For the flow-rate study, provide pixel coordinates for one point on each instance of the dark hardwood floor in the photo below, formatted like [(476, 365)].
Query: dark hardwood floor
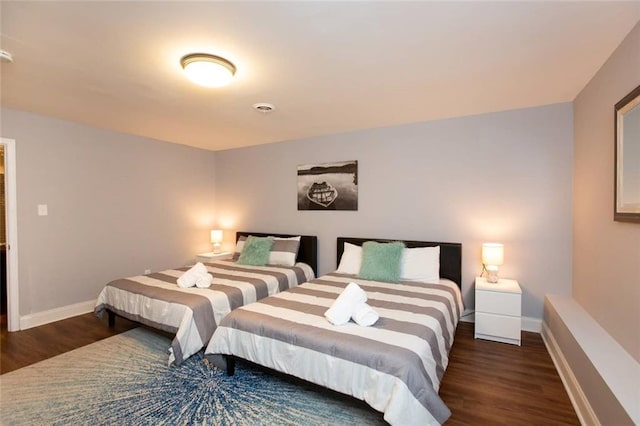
[(22, 348), (486, 383), (490, 383)]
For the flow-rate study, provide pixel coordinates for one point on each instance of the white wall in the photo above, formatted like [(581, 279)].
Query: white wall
[(118, 204), (606, 268), (502, 176)]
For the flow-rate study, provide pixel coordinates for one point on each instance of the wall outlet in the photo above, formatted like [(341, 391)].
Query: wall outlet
[(42, 210), (147, 271)]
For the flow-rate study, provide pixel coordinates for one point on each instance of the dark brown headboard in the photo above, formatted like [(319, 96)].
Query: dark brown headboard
[(450, 254), (307, 253)]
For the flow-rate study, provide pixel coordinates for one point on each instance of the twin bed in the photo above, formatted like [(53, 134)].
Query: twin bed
[(395, 366), (192, 314)]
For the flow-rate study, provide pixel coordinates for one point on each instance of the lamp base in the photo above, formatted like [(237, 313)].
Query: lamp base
[(492, 273), (216, 248), (492, 276)]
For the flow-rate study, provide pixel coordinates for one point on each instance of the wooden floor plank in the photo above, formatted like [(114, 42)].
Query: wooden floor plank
[(486, 383), (496, 383), (26, 347)]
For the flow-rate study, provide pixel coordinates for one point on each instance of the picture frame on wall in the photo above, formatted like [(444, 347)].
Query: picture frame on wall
[(626, 198), (328, 186)]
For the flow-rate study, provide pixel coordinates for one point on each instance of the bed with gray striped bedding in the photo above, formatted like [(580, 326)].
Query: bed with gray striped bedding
[(395, 366), (193, 313)]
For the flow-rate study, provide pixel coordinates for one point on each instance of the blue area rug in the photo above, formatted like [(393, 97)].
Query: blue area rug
[(124, 380)]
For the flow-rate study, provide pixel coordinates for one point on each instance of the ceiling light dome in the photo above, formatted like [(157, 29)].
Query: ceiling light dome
[(208, 70)]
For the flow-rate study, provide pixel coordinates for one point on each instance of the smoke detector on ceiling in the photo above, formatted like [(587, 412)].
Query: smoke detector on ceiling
[(5, 56), (264, 107)]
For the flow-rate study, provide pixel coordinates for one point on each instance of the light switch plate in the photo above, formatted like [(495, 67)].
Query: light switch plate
[(43, 210)]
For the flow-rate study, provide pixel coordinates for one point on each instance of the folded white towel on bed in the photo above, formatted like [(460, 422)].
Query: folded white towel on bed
[(365, 315), (341, 310), (199, 268), (204, 281), (189, 278)]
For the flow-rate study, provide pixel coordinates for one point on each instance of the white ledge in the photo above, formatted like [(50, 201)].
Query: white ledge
[(619, 370)]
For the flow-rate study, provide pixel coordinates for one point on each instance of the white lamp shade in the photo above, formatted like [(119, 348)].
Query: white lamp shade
[(492, 254), (216, 236)]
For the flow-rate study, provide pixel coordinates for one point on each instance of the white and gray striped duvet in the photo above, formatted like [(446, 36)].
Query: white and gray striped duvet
[(193, 313), (395, 366)]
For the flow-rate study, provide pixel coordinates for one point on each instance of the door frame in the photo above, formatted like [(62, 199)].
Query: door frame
[(11, 219)]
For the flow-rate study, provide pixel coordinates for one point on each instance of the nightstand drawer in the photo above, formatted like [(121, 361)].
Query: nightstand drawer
[(497, 325), (498, 303)]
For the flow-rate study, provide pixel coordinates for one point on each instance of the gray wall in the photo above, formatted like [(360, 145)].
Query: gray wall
[(606, 267), (503, 176), (118, 204)]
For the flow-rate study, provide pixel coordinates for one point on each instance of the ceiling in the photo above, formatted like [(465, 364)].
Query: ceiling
[(329, 67)]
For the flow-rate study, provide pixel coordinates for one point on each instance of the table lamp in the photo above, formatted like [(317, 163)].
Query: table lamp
[(492, 258), (216, 239)]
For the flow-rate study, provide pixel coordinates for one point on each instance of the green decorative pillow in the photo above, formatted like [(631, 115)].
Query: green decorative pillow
[(256, 251), (381, 261)]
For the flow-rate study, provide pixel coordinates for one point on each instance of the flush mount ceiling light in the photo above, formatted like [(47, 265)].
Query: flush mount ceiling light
[(208, 70)]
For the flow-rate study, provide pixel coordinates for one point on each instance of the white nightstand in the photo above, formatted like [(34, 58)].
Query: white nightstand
[(211, 256), (498, 311)]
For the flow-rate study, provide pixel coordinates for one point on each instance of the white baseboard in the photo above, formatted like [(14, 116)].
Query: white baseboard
[(585, 413), (532, 324), (57, 314), (468, 316), (528, 323)]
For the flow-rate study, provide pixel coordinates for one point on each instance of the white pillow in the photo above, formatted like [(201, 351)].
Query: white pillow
[(351, 259), (284, 251), (239, 247), (421, 264)]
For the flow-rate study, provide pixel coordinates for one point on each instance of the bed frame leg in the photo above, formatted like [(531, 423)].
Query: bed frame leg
[(112, 319), (231, 365)]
